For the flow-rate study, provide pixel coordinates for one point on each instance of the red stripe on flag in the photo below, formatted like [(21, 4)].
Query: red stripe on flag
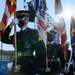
[(63, 41), (1, 31), (4, 20), (41, 23), (11, 7), (63, 38)]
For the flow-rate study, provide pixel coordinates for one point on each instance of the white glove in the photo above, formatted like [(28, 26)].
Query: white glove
[(61, 74), (15, 20)]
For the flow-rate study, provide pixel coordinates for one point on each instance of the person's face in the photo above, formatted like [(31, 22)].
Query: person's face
[(50, 37), (24, 19), (23, 22)]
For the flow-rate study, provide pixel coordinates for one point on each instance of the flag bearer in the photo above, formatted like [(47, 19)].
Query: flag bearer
[(28, 43)]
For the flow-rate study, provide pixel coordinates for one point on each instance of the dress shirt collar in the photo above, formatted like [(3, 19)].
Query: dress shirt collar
[(24, 28), (51, 42)]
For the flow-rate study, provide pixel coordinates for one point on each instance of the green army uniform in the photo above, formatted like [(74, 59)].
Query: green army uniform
[(28, 41)]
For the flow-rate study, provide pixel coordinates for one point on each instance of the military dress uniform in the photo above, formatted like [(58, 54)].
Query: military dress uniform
[(28, 41), (55, 55), (69, 64)]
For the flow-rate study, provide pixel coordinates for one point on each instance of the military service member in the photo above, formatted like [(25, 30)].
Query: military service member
[(69, 65), (28, 41), (55, 55)]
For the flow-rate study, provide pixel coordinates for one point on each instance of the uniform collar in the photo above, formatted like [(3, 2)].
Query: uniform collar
[(51, 42), (24, 28)]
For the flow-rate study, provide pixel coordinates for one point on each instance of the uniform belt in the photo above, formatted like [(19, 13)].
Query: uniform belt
[(52, 60), (24, 54)]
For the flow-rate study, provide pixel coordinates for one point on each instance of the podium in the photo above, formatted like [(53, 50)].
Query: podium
[(3, 67)]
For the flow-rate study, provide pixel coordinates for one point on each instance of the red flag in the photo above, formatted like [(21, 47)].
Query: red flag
[(58, 7), (10, 8), (62, 31)]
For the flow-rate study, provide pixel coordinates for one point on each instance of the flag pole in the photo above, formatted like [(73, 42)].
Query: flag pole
[(1, 42), (15, 43), (1, 50), (15, 39)]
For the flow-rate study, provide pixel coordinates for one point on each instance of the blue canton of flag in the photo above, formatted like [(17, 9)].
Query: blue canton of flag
[(41, 8), (36, 5), (42, 14), (72, 33)]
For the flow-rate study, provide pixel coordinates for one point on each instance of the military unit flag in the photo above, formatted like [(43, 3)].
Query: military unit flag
[(62, 31), (72, 33), (61, 26)]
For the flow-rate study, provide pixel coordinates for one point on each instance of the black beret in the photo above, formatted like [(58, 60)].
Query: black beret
[(22, 13)]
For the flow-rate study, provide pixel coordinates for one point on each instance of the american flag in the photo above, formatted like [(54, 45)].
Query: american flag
[(42, 20), (10, 8)]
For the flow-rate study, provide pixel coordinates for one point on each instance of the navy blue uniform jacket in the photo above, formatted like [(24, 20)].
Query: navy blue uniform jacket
[(30, 38)]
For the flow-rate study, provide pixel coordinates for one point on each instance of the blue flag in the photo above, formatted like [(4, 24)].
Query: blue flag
[(72, 33)]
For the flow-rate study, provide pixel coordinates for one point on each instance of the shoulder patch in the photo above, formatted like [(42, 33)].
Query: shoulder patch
[(39, 39)]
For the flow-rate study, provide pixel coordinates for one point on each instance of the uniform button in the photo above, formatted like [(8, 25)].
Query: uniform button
[(18, 40), (53, 56), (31, 61)]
